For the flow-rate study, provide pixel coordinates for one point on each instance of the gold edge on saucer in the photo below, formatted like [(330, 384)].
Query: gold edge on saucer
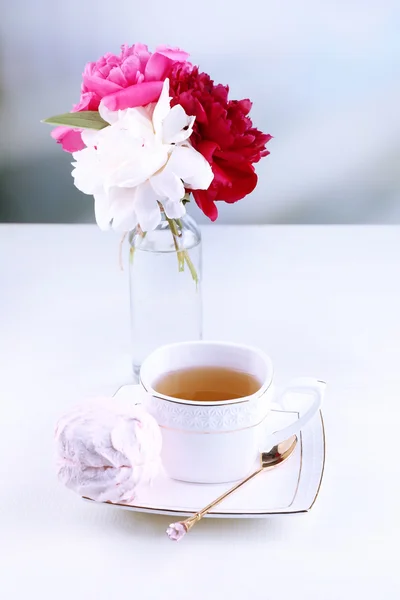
[(170, 511), (323, 462), (301, 467)]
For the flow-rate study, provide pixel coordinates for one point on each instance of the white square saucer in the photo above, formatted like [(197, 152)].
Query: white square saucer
[(291, 488)]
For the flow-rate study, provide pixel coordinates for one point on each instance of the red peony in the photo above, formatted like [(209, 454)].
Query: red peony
[(223, 133)]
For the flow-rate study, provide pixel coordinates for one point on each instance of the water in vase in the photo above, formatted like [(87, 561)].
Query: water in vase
[(165, 288)]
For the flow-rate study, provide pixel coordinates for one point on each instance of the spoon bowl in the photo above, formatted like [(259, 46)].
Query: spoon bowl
[(279, 453)]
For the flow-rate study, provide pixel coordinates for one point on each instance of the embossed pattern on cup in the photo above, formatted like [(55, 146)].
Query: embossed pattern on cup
[(228, 417)]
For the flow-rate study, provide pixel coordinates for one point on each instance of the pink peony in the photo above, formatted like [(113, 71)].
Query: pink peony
[(70, 139), (134, 78), (223, 133)]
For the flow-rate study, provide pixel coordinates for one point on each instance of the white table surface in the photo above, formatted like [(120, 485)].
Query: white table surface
[(322, 301)]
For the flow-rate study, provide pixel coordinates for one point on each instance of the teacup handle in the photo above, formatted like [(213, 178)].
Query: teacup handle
[(304, 385)]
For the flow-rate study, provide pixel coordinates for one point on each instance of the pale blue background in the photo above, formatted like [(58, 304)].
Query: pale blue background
[(323, 76)]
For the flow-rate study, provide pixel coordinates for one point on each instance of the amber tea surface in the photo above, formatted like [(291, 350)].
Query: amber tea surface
[(207, 384)]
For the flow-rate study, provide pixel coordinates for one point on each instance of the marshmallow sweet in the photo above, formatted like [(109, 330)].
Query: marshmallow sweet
[(107, 448)]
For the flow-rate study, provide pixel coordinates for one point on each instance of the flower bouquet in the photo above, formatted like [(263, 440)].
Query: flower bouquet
[(150, 131)]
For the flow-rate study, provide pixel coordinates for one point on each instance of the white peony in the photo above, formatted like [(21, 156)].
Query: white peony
[(143, 158)]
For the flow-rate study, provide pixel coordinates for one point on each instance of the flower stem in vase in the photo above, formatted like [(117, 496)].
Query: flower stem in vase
[(183, 255), (132, 248)]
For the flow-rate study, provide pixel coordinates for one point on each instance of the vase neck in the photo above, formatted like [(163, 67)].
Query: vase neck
[(170, 234)]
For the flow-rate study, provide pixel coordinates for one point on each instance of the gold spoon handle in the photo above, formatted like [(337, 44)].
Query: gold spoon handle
[(190, 521), (269, 460)]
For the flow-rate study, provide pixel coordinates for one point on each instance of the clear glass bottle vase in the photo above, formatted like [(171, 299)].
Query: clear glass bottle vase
[(165, 286)]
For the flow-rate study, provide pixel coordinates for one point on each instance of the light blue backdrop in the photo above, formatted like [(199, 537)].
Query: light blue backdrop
[(323, 76)]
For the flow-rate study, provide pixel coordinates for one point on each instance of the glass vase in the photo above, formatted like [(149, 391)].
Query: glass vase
[(165, 286)]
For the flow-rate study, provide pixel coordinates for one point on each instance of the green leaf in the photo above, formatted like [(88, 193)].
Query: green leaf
[(88, 119)]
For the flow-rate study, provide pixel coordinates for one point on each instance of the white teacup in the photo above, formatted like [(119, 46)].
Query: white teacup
[(215, 442)]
